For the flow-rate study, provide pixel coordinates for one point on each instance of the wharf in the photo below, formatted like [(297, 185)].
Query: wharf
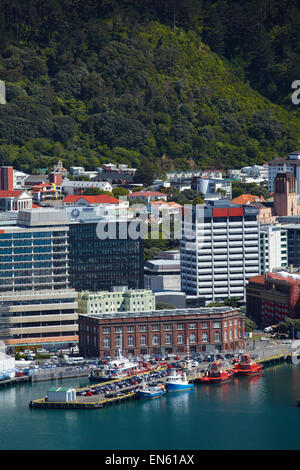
[(14, 381), (100, 401)]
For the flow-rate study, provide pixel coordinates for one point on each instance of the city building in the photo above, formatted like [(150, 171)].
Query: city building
[(45, 192), (285, 194), (80, 187), (293, 239), (162, 275), (34, 253), (273, 248), (119, 299), (220, 250), (116, 173), (98, 263), (44, 317), (288, 165), (272, 297), (14, 200), (19, 179), (146, 196), (161, 331), (6, 178), (212, 188)]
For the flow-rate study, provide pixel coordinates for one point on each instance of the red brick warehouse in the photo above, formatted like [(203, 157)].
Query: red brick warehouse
[(161, 331)]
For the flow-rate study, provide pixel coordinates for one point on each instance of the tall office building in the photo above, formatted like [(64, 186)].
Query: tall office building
[(34, 253), (6, 178), (41, 309), (100, 264), (273, 248), (220, 250)]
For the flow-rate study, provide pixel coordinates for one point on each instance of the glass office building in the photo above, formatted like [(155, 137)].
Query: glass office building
[(100, 264), (33, 258)]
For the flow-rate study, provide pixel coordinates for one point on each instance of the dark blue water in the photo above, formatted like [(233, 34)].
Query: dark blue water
[(249, 413)]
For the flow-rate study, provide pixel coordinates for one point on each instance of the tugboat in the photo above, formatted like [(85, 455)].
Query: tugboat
[(214, 374), (246, 366), (176, 382), (150, 391)]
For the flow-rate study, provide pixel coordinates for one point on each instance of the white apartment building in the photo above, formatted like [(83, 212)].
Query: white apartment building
[(220, 250), (273, 248)]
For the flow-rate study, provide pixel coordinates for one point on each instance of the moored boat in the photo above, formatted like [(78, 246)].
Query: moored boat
[(151, 391), (214, 374), (246, 366), (177, 382)]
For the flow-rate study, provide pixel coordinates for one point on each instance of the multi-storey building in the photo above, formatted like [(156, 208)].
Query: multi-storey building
[(119, 299), (220, 250), (273, 248), (33, 253), (273, 297), (34, 279), (100, 264), (161, 331), (293, 239)]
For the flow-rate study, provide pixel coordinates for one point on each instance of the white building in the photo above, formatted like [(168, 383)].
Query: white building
[(212, 188), (273, 248), (19, 179), (220, 250), (61, 394), (76, 187)]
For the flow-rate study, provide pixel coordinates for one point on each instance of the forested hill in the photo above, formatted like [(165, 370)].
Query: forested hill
[(178, 83)]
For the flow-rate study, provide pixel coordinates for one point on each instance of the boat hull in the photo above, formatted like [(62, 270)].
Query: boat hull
[(246, 372), (142, 394), (178, 387), (214, 380)]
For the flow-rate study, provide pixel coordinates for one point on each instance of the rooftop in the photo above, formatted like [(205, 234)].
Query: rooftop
[(173, 312), (98, 199)]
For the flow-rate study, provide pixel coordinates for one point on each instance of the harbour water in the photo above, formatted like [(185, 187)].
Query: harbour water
[(253, 413)]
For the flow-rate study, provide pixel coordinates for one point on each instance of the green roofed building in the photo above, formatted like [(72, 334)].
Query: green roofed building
[(119, 299)]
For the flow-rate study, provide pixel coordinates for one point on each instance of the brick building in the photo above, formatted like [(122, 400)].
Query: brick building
[(273, 297), (161, 331)]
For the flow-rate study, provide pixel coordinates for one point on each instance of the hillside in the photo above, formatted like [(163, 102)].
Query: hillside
[(91, 84)]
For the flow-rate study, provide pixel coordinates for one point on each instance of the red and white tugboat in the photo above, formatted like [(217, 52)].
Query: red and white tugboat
[(214, 374), (246, 366)]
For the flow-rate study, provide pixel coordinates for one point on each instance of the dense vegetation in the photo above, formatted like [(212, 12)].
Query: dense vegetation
[(155, 84)]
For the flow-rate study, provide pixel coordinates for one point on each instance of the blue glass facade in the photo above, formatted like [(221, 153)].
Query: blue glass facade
[(33, 259)]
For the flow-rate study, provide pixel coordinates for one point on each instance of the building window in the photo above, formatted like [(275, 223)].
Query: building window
[(235, 334), (118, 329), (168, 339), (204, 337), (192, 338), (130, 340), (118, 342), (179, 338), (192, 326), (143, 340), (105, 330), (225, 335), (131, 329), (217, 336), (155, 327), (204, 325), (179, 326), (217, 324), (143, 328), (225, 324), (168, 327), (230, 335), (106, 342), (155, 340)]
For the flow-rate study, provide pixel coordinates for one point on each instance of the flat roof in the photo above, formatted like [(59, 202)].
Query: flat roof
[(171, 312)]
